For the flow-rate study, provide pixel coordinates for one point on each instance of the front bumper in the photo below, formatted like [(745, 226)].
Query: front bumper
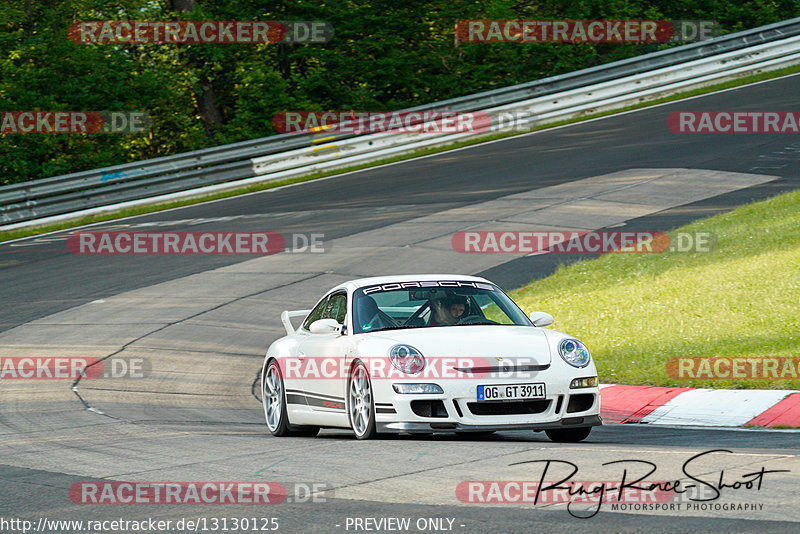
[(592, 420), (458, 410)]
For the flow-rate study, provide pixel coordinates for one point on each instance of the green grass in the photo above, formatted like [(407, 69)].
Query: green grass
[(637, 311), (29, 231)]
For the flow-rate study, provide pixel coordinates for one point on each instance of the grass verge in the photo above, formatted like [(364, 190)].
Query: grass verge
[(26, 232), (635, 312)]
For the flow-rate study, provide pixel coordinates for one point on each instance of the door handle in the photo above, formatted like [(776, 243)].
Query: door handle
[(301, 354)]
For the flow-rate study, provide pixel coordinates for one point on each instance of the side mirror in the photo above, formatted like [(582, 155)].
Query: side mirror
[(325, 326), (540, 319)]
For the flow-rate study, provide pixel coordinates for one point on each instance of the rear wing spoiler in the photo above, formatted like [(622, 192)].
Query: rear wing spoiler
[(286, 319)]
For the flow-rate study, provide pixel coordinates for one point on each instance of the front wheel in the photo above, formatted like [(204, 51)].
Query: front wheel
[(361, 405), (568, 435), (273, 397)]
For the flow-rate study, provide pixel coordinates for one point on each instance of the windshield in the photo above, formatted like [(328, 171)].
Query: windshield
[(433, 304)]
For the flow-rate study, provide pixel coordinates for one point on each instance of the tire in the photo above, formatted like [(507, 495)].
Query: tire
[(361, 403), (273, 398), (568, 435)]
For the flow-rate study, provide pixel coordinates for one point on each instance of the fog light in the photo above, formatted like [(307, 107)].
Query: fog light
[(417, 388), (589, 382)]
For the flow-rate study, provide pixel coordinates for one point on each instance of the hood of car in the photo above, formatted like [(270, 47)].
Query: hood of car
[(491, 344)]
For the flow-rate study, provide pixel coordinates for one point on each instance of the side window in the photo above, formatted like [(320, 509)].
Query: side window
[(316, 313), (336, 308)]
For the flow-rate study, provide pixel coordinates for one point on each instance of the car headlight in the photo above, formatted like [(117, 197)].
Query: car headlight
[(407, 359), (574, 353)]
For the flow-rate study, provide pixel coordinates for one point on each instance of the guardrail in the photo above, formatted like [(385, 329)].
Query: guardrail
[(284, 156)]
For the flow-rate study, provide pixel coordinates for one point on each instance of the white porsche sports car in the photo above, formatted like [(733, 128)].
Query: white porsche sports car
[(427, 353)]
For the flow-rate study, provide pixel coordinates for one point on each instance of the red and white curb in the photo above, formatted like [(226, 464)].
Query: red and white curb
[(700, 407)]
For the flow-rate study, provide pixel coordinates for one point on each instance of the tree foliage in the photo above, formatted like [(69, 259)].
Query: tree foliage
[(386, 54)]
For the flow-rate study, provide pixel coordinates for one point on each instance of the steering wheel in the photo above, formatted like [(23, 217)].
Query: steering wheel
[(475, 319)]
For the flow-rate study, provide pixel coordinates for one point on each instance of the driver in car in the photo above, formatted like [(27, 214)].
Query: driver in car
[(448, 311)]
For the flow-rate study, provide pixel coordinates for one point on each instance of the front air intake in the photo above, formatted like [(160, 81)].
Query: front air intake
[(429, 408)]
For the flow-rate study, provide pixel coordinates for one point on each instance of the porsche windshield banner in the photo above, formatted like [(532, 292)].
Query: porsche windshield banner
[(428, 284)]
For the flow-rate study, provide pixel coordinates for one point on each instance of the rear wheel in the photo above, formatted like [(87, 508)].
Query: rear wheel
[(568, 435), (273, 397), (361, 403)]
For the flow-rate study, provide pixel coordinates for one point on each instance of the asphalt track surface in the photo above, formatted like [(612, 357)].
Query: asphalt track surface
[(43, 278), (212, 428)]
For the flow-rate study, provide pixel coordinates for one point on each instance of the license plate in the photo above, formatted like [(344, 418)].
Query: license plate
[(511, 392)]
